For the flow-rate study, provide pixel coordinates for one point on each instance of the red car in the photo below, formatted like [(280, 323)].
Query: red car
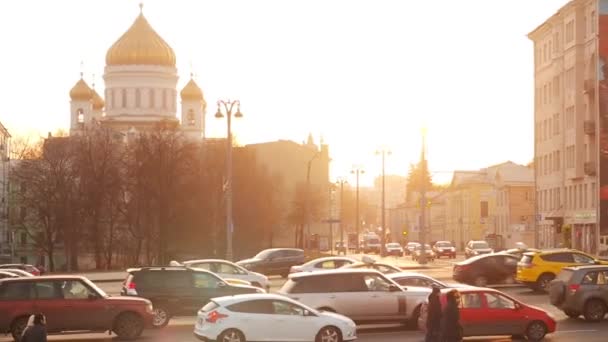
[(488, 312), (24, 267), (70, 303)]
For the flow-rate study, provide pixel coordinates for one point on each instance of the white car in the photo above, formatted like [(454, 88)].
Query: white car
[(419, 280), (394, 248), (320, 264), (229, 270), (269, 317)]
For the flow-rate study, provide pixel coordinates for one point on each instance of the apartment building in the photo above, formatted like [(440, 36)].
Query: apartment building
[(566, 113)]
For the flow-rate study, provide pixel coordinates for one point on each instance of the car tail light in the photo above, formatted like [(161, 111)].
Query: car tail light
[(214, 316), (131, 288), (460, 268), (573, 288)]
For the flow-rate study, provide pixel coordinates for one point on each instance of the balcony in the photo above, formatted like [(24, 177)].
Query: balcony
[(589, 87), (590, 169), (589, 127)]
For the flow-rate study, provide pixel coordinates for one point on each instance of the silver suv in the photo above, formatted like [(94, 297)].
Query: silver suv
[(581, 290), (364, 295)]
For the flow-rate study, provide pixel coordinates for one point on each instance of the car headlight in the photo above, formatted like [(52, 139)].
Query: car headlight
[(149, 308)]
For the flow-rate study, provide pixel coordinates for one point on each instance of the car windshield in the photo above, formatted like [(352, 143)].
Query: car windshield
[(426, 247), (480, 245), (444, 244), (264, 254), (96, 288)]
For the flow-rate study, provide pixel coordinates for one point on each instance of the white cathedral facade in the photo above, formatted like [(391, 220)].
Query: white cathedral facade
[(140, 89)]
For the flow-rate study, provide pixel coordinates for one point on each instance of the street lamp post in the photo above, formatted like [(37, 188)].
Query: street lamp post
[(341, 182), (357, 171), (383, 152), (307, 204), (228, 106), (423, 204)]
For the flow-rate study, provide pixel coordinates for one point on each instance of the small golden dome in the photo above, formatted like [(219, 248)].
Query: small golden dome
[(97, 101), (192, 91), (140, 45), (81, 91)]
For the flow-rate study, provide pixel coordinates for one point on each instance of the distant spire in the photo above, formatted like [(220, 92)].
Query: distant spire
[(81, 68), (93, 80), (141, 7), (310, 140)]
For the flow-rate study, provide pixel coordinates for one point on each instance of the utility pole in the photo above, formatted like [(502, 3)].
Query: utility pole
[(423, 171), (383, 152), (342, 244), (357, 171)]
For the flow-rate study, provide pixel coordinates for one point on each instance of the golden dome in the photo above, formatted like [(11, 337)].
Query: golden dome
[(192, 91), (81, 91), (140, 45), (97, 101)]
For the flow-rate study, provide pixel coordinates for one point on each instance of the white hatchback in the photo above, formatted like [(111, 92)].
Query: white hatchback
[(269, 317)]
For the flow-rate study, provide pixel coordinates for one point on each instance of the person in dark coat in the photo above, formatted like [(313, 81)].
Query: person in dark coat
[(35, 332), (451, 330), (433, 318)]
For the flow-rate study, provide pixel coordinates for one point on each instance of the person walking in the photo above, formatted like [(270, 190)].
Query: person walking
[(35, 332), (451, 330), (433, 318)]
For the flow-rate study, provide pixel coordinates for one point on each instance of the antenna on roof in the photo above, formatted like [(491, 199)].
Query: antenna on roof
[(141, 7)]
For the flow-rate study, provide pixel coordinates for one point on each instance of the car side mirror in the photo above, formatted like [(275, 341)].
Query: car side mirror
[(221, 284), (93, 296), (306, 313), (597, 262), (394, 288), (517, 306)]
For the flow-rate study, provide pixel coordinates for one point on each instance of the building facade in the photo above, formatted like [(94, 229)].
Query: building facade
[(5, 234), (292, 165), (566, 139)]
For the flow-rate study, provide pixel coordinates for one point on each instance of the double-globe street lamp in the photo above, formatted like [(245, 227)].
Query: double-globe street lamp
[(357, 171), (228, 107), (383, 152)]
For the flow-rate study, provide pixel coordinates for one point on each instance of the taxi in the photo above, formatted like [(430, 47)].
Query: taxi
[(537, 269)]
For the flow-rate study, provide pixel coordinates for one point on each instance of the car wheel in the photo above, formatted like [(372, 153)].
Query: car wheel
[(595, 310), (412, 323), (17, 327), (231, 335), (481, 281), (329, 334), (543, 282), (161, 317), (128, 326), (572, 314), (536, 331)]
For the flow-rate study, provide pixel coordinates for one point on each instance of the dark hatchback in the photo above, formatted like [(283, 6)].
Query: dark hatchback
[(274, 261), (481, 270), (178, 291)]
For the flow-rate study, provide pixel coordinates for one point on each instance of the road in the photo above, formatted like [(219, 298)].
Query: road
[(180, 329)]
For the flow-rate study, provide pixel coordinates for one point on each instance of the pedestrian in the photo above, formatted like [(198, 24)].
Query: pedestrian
[(35, 332), (433, 318), (451, 331)]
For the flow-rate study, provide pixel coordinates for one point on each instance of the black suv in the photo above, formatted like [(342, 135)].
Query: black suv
[(274, 261), (178, 291)]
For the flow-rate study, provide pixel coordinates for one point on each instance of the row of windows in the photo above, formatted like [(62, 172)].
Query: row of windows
[(142, 98), (579, 196), (549, 163)]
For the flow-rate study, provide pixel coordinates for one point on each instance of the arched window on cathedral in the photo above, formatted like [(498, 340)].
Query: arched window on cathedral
[(190, 118), (152, 99), (80, 117), (124, 98), (108, 99), (137, 98)]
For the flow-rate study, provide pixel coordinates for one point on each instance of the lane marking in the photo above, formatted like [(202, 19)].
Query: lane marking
[(574, 331)]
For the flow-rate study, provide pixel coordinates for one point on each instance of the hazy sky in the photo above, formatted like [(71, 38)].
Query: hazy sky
[(362, 74)]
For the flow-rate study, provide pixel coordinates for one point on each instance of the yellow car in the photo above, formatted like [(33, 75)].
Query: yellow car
[(537, 269)]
